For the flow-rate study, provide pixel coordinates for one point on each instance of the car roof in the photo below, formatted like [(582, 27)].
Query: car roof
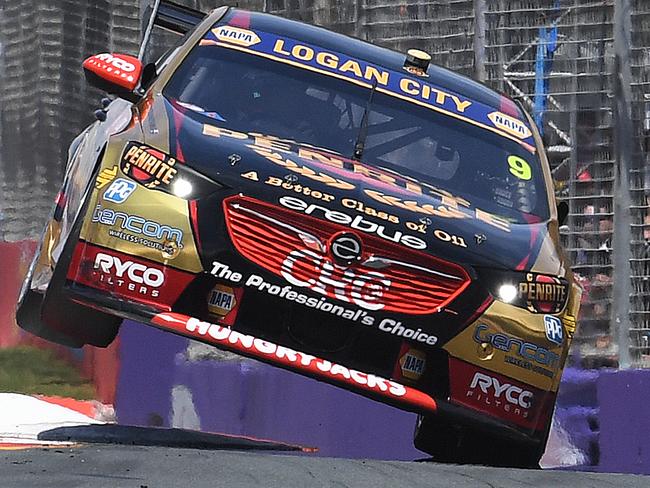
[(360, 49)]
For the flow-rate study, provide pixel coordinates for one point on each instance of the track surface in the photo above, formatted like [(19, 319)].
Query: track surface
[(111, 466)]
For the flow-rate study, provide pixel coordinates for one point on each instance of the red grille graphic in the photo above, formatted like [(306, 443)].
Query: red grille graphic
[(294, 246)]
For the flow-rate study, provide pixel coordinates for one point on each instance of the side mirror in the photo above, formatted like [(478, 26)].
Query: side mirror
[(562, 212), (117, 74)]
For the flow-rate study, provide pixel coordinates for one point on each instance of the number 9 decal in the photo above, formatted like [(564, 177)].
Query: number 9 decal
[(519, 167)]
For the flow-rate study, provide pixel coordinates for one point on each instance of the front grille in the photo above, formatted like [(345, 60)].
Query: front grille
[(295, 247)]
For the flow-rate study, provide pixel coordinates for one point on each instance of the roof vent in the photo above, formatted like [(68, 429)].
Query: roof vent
[(417, 62)]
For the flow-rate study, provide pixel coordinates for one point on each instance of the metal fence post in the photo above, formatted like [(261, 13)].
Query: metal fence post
[(623, 148), (479, 40)]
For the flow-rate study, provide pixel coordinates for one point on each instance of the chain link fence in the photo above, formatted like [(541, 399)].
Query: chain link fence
[(565, 60)]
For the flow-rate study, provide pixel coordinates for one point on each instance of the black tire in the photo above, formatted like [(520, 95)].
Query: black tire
[(449, 443), (62, 315), (28, 313), (53, 316)]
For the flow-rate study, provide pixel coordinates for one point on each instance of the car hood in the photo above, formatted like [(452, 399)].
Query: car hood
[(393, 205)]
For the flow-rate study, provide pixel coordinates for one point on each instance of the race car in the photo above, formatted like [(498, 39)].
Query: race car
[(347, 212)]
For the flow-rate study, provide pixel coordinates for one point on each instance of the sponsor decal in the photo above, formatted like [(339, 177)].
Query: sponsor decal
[(148, 166), (523, 354), (120, 69), (395, 327), (554, 330), (105, 176), (119, 62), (569, 322), (345, 248), (221, 300), (498, 395), (395, 83), (303, 170), (136, 273), (369, 211), (127, 276), (138, 230), (170, 249), (412, 364), (440, 234), (493, 389), (543, 294), (297, 361), (236, 35), (352, 68), (222, 271), (119, 190), (224, 301), (510, 125), (291, 186), (364, 290), (357, 222), (445, 211), (280, 152)]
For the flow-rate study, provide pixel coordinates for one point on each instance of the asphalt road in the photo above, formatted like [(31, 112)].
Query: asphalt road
[(115, 466)]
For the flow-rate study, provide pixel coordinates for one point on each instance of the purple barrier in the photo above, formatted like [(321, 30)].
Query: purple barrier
[(624, 398), (250, 398), (158, 386), (146, 374)]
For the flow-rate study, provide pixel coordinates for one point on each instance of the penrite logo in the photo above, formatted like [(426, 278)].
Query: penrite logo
[(307, 269), (542, 293), (147, 165), (358, 222)]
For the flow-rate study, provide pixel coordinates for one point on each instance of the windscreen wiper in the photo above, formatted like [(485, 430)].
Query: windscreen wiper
[(360, 144)]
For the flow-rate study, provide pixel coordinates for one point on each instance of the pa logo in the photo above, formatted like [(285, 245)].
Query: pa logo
[(119, 190), (554, 331)]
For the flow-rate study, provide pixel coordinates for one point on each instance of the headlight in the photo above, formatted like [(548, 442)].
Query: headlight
[(535, 292), (507, 293), (157, 170)]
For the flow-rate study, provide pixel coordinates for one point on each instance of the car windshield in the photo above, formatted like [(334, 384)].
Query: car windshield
[(249, 93)]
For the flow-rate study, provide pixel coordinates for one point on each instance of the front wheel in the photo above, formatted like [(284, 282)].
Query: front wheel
[(65, 316), (451, 443), (28, 312)]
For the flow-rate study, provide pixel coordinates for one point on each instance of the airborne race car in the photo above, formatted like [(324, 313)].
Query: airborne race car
[(326, 206)]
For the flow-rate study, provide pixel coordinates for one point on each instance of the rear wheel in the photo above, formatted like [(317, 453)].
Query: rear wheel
[(450, 443)]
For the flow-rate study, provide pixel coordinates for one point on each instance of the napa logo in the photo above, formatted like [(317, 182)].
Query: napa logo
[(221, 300), (236, 35), (510, 125)]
